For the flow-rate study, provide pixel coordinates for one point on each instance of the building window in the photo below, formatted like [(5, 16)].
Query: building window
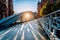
[(7, 1), (4, 0), (11, 3)]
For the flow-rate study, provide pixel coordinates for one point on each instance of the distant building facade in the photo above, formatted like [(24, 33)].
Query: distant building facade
[(4, 8), (10, 5)]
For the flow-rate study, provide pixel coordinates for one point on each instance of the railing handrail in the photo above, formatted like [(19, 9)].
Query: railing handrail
[(9, 17), (52, 13), (4, 19)]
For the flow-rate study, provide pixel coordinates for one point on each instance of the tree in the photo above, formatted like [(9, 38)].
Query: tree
[(50, 7)]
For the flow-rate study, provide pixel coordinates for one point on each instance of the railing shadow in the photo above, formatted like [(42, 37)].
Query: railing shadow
[(11, 25)]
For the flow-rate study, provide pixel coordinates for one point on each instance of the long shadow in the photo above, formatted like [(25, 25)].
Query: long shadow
[(13, 24), (43, 32)]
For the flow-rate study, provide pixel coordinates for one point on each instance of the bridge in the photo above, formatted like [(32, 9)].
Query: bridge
[(32, 30)]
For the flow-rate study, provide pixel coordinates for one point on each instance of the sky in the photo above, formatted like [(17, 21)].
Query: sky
[(25, 5)]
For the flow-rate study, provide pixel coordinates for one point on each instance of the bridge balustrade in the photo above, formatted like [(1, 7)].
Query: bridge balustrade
[(50, 22), (5, 22)]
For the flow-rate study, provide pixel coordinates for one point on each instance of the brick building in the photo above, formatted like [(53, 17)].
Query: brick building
[(10, 5), (5, 8)]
